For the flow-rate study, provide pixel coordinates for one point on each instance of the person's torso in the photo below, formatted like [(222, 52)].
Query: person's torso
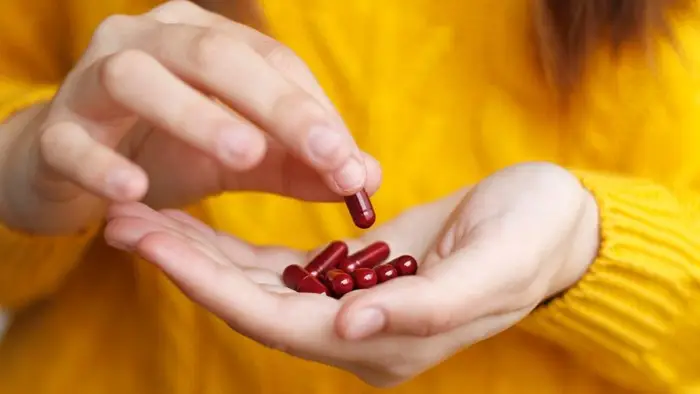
[(442, 96)]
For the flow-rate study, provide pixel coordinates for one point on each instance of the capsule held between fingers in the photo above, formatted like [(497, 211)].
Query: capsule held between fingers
[(339, 282), (364, 278), (360, 207), (368, 257), (385, 272), (405, 265), (328, 259)]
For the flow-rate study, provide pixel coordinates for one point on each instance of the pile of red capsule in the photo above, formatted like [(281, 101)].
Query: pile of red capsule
[(335, 272)]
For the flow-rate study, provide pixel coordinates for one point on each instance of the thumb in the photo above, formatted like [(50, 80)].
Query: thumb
[(480, 279), (409, 305)]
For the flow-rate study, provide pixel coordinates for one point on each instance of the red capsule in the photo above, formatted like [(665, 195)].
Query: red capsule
[(340, 282), (292, 276), (312, 285), (365, 278), (361, 210), (328, 259), (298, 279), (385, 272), (366, 258), (405, 265)]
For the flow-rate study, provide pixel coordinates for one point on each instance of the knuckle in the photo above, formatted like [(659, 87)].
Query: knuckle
[(278, 346), (431, 320), (533, 294), (283, 58), (208, 46), (299, 110), (384, 382), (180, 7), (51, 144), (47, 144), (396, 374), (112, 26), (175, 10), (438, 321), (117, 68)]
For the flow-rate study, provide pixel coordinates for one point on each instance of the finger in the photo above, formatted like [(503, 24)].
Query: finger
[(287, 323), (277, 289), (137, 221), (81, 128), (68, 149), (200, 278), (400, 232), (80, 134), (481, 279), (271, 258), (188, 220), (294, 178), (264, 277), (277, 55), (230, 69), (145, 87), (276, 258), (281, 59), (131, 209), (128, 224), (125, 233)]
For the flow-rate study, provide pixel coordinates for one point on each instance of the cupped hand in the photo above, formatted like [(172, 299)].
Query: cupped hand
[(520, 236), (489, 255), (241, 284), (180, 103)]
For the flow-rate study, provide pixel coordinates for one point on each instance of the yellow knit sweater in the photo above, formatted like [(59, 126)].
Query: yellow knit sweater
[(442, 93)]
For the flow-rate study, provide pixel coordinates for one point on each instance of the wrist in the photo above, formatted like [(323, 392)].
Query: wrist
[(585, 244)]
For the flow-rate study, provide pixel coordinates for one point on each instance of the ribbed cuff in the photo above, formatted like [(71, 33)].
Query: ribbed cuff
[(637, 290)]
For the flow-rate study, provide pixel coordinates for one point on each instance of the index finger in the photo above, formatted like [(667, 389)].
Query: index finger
[(277, 55), (291, 323), (223, 60)]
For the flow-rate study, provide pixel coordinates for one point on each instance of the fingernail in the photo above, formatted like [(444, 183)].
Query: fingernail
[(351, 176), (323, 143), (234, 145), (364, 323)]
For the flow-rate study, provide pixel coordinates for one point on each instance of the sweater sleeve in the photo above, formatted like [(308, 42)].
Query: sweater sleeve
[(635, 315), (31, 67)]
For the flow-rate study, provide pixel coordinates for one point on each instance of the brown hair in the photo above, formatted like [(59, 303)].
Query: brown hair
[(568, 30)]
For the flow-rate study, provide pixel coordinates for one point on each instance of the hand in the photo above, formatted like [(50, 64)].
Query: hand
[(193, 104), (490, 254), (522, 235)]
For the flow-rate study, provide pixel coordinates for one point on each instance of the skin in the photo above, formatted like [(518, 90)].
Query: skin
[(468, 286), (169, 107)]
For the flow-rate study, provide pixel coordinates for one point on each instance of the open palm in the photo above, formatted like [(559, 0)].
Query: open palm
[(489, 255), (241, 284)]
